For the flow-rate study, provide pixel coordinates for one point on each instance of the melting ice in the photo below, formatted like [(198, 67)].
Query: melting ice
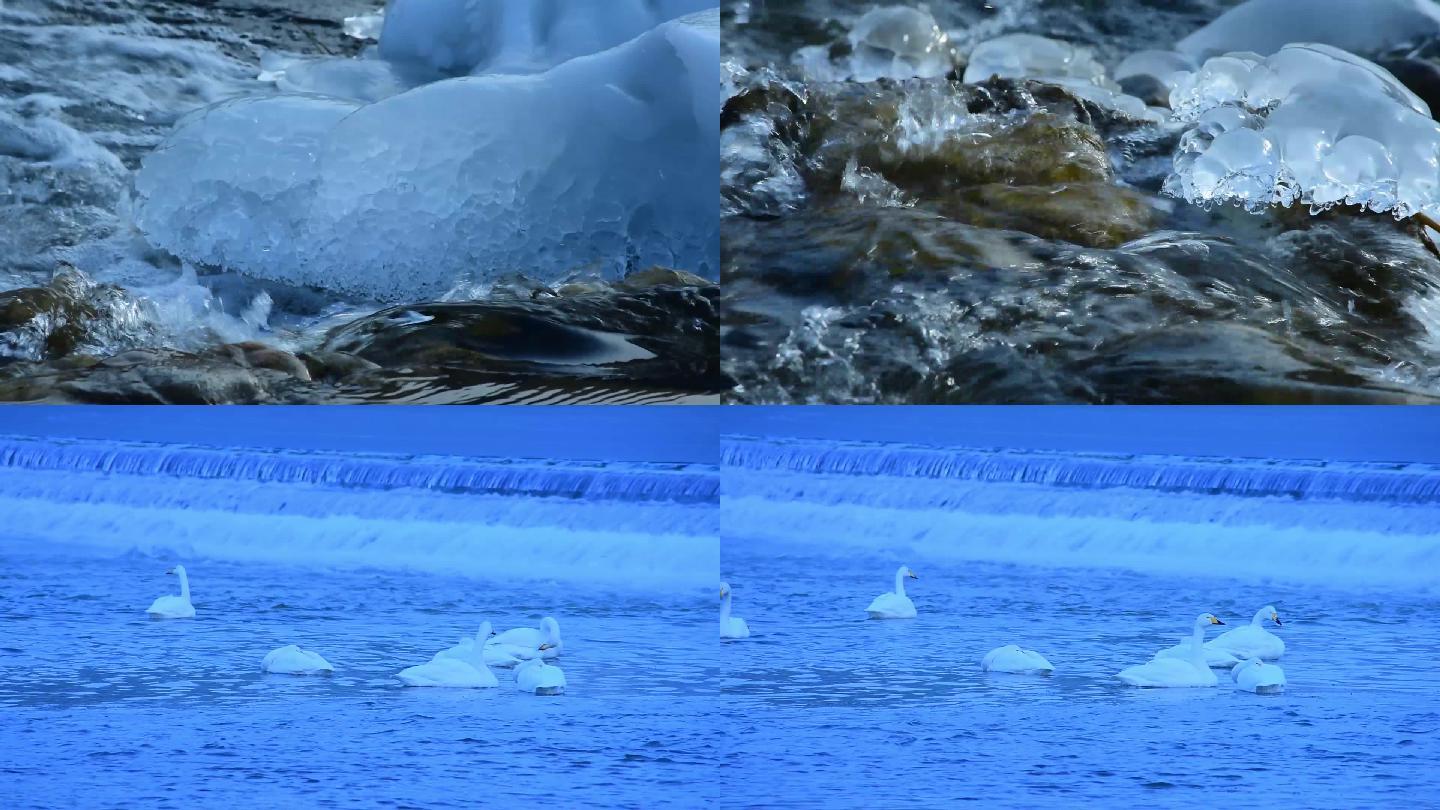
[(389, 179), (1310, 124)]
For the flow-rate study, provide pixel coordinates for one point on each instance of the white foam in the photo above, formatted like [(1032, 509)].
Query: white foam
[(1347, 525), (625, 525)]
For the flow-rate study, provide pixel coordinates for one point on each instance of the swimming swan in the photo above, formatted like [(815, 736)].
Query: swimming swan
[(523, 643), (540, 678), (730, 626), (472, 650), (451, 672), (1254, 675), (1175, 672), (175, 607), (1011, 658), (894, 605), (1252, 640), (1216, 659), (292, 660)]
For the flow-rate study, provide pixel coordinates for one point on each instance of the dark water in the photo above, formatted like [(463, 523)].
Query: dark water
[(101, 706), (1035, 283), (827, 706)]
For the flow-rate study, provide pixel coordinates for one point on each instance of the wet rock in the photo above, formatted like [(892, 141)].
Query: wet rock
[(70, 314), (661, 277), (336, 366), (1042, 150), (251, 354), (219, 376), (1091, 214), (1231, 364), (667, 336)]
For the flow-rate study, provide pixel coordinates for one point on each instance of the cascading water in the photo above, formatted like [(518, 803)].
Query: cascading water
[(641, 525), (1361, 524)]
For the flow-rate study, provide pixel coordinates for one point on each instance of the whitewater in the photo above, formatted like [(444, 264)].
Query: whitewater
[(621, 525), (1368, 524)]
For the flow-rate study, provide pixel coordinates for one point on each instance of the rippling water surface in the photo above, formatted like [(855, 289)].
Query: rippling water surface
[(841, 706), (101, 706)]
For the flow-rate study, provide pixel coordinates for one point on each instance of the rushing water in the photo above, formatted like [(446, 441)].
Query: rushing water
[(377, 562), (1097, 562), (851, 278)]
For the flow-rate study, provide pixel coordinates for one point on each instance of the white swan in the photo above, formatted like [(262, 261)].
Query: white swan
[(292, 660), (1254, 675), (894, 605), (524, 643), (1215, 659), (1175, 672), (451, 672), (1252, 640), (175, 607), (470, 650), (540, 678), (1018, 660), (730, 626)]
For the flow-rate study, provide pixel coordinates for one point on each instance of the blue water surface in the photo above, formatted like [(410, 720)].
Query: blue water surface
[(101, 706), (829, 708)]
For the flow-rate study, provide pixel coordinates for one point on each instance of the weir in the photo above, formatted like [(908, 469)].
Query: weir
[(1350, 481), (625, 525)]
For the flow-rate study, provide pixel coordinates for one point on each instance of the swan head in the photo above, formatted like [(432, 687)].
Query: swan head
[(178, 571), (485, 631), (1245, 663), (1206, 619), (1268, 612), (907, 573), (724, 589)]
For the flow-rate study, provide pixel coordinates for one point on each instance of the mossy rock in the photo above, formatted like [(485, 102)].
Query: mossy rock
[(1039, 151), (1101, 215)]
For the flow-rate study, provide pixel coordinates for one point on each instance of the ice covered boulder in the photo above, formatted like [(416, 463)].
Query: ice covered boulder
[(604, 163), (1151, 74), (456, 37), (1026, 56), (888, 42), (1310, 124), (1358, 26), (898, 42)]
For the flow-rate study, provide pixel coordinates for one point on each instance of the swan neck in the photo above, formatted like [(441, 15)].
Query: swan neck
[(900, 582), (184, 585), (1197, 644), (725, 609), (1259, 620)]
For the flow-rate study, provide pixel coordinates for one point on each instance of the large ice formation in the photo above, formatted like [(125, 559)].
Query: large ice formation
[(1310, 124), (605, 162), (1359, 26)]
